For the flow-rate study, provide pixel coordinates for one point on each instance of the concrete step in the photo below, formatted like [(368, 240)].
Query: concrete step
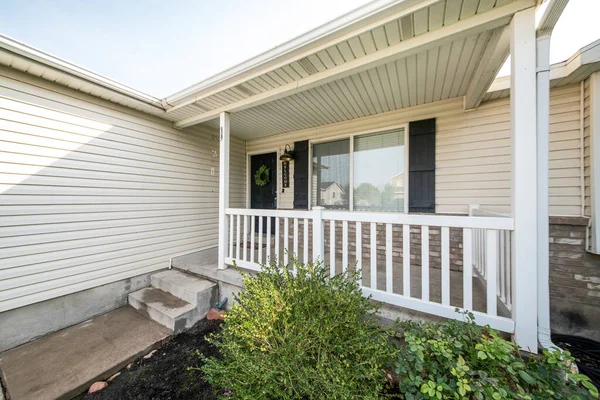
[(168, 310), (192, 289)]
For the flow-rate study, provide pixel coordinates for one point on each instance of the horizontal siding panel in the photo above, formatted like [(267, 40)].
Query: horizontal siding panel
[(40, 233), (92, 193), (65, 258)]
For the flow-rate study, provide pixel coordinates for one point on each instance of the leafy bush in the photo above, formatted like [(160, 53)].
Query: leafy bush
[(306, 336), (457, 360)]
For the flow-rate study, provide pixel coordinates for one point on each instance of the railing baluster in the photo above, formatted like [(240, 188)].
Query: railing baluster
[(286, 241), (499, 268), (502, 269), (237, 237), (389, 276), (508, 258), (484, 252), (345, 246), (359, 252), (305, 258), (406, 260), (231, 236), (373, 256), (425, 263), (252, 233), (268, 252), (260, 239), (331, 248), (491, 260), (467, 269), (296, 237), (277, 253), (445, 265), (245, 250)]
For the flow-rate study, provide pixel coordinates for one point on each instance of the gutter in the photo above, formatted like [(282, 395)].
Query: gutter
[(544, 33), (45, 60)]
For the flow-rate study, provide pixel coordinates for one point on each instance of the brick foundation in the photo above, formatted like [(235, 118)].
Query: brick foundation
[(574, 279)]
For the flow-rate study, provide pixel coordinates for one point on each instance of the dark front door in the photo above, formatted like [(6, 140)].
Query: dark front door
[(264, 197)]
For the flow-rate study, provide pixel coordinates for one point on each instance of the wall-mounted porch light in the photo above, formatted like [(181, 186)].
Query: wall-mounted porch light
[(288, 154)]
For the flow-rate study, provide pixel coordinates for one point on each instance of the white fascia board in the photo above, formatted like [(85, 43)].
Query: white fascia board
[(348, 25), (46, 60), (479, 23)]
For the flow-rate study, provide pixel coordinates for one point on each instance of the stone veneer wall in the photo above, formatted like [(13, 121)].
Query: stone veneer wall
[(574, 279)]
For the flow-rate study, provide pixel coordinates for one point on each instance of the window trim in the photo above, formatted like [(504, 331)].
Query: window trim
[(351, 137)]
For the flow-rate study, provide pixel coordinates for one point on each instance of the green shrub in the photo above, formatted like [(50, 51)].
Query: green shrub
[(300, 337), (457, 360)]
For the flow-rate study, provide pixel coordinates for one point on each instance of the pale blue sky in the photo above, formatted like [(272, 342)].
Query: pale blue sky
[(160, 47)]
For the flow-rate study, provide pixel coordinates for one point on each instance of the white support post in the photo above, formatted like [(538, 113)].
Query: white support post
[(524, 177), (224, 137), (318, 235), (595, 160)]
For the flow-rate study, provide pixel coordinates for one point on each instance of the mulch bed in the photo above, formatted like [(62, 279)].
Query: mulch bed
[(165, 375)]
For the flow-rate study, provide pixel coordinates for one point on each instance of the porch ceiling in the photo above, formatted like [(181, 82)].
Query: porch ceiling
[(440, 73), (414, 52)]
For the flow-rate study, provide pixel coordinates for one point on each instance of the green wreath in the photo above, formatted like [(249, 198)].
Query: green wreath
[(261, 177)]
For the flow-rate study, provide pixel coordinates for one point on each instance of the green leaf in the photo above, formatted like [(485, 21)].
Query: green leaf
[(526, 377)]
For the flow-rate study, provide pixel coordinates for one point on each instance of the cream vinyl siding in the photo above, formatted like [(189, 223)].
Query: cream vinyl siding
[(586, 159), (237, 173), (473, 163), (92, 192)]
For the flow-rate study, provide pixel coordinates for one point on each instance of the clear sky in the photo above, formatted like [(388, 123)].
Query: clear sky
[(160, 47)]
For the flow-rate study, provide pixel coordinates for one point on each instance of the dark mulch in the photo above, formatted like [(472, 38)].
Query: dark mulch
[(586, 353), (165, 375)]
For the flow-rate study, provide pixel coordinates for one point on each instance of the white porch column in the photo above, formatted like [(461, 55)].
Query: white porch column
[(524, 177), (224, 137)]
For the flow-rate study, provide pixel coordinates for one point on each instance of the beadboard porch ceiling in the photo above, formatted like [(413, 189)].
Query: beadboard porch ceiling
[(417, 52)]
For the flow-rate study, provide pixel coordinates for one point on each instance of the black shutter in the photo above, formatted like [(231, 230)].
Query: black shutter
[(301, 174), (421, 166)]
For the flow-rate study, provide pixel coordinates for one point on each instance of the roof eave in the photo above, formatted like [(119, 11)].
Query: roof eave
[(326, 32), (48, 61)]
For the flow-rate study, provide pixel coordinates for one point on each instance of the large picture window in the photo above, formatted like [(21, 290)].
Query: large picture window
[(368, 169), (379, 171), (331, 174)]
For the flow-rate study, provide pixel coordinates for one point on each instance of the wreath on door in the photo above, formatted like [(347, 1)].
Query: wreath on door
[(261, 177)]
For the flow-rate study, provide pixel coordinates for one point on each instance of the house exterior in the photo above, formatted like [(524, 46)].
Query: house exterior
[(443, 186)]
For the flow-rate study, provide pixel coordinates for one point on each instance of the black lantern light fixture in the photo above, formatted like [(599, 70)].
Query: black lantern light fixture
[(288, 154)]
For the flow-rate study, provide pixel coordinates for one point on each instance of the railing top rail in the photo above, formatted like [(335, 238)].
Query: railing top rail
[(418, 219), (452, 221), (269, 213)]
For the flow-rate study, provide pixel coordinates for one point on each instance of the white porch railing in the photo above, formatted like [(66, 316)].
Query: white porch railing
[(499, 243), (397, 282)]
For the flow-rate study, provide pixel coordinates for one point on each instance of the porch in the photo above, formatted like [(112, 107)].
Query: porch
[(407, 85), (429, 264)]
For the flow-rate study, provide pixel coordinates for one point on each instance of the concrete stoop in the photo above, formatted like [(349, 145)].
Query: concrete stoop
[(176, 300)]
